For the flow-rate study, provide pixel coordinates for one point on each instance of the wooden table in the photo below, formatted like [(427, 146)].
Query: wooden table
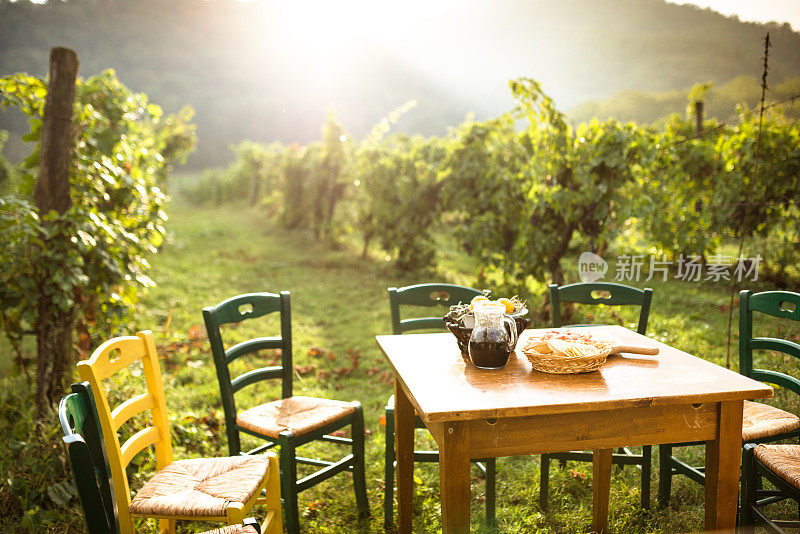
[(632, 400)]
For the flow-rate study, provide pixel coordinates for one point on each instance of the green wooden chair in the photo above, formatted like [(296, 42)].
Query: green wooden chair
[(83, 440), (612, 295), (761, 423), (288, 422), (441, 296), (778, 464)]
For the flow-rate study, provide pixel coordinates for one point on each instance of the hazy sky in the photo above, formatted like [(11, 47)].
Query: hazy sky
[(747, 10), (754, 10)]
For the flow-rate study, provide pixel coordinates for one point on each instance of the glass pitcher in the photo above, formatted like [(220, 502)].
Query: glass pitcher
[(493, 337)]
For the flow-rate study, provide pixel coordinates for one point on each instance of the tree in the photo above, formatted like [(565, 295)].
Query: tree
[(91, 261), (51, 193), (398, 195), (523, 195)]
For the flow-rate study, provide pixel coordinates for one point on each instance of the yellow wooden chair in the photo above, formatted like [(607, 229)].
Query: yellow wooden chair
[(199, 489)]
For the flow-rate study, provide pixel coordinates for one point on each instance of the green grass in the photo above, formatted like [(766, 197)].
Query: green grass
[(339, 303)]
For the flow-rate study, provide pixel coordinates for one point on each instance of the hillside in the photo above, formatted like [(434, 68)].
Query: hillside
[(720, 102), (266, 70)]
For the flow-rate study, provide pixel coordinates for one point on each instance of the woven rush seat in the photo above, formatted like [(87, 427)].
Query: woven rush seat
[(233, 529), (762, 420), (783, 460), (200, 487), (301, 415)]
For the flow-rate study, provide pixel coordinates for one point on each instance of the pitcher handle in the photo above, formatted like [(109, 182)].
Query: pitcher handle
[(513, 331)]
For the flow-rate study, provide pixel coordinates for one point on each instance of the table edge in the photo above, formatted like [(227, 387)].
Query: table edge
[(654, 402)]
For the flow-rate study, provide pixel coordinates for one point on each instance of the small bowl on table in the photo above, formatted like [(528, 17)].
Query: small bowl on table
[(462, 333)]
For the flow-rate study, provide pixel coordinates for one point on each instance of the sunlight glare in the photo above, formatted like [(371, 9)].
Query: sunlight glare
[(326, 29)]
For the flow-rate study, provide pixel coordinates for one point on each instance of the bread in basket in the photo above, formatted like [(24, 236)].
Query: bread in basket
[(569, 352)]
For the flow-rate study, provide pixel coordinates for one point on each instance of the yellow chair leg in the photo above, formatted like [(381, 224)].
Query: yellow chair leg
[(235, 513), (274, 510), (166, 526)]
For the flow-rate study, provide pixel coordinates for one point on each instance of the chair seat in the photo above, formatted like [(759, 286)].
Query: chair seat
[(783, 460), (201, 487), (762, 420), (233, 529), (301, 415)]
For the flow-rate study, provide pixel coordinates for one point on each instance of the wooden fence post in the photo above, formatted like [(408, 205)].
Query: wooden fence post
[(698, 117), (54, 333)]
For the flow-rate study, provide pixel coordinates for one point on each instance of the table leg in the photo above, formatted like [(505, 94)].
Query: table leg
[(723, 458), (404, 454), (601, 486), (454, 480)]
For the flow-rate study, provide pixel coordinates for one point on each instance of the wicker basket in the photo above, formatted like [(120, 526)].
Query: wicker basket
[(463, 333), (564, 365)]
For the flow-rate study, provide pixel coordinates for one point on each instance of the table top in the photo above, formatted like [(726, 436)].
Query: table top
[(443, 387)]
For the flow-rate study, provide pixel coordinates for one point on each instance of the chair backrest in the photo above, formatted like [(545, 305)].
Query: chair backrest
[(107, 360), (426, 295), (600, 293), (782, 304), (83, 440), (235, 310)]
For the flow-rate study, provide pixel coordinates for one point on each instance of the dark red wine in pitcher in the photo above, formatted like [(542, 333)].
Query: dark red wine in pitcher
[(491, 339), (489, 354)]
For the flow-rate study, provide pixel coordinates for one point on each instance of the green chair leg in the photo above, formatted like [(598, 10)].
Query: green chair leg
[(288, 465), (491, 490), (388, 473), (234, 441), (664, 474), (647, 458), (749, 488), (544, 481), (359, 475)]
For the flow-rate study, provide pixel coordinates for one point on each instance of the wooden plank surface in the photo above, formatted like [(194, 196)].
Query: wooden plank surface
[(443, 387)]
